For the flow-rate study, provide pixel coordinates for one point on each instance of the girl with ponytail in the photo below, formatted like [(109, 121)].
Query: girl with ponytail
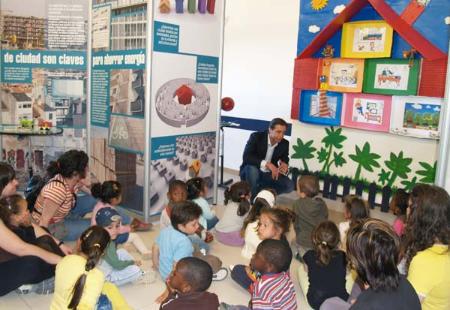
[(79, 284), (326, 266), (237, 205)]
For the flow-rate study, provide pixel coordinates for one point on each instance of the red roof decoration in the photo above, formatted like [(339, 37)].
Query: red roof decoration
[(403, 28)]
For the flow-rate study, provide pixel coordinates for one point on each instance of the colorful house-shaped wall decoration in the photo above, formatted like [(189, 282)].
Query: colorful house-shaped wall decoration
[(434, 60)]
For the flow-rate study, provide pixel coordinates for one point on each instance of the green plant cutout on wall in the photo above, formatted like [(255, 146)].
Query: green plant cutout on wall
[(383, 177), (365, 159), (398, 166), (304, 151), (428, 173), (333, 139), (409, 185)]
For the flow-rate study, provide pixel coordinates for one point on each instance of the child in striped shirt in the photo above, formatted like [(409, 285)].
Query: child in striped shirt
[(274, 288)]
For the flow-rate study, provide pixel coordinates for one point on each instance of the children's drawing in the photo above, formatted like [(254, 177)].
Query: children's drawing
[(343, 75), (392, 76), (369, 39), (416, 116), (421, 116), (368, 111), (323, 105)]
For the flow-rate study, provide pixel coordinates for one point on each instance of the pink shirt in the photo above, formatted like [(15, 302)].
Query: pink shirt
[(399, 226), (100, 205)]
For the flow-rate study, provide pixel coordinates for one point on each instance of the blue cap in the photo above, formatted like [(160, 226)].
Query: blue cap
[(106, 216)]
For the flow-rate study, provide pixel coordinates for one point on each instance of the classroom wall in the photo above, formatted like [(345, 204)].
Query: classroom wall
[(258, 64), (257, 74)]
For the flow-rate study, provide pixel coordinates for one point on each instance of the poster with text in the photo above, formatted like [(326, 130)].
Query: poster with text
[(43, 79), (118, 83), (187, 43)]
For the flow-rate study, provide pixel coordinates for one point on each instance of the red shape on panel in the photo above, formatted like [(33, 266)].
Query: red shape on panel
[(295, 105), (306, 73), (412, 12), (432, 78)]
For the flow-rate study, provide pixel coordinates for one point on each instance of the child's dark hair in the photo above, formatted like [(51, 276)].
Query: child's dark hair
[(7, 174), (309, 185), (357, 208), (373, 250), (94, 241), (399, 202), (325, 238), (106, 191), (238, 192), (194, 187), (277, 253), (9, 206), (254, 213), (177, 184), (281, 218), (184, 212), (196, 272), (69, 164)]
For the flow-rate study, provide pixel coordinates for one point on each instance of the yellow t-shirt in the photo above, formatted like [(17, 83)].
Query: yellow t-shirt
[(69, 269), (429, 274)]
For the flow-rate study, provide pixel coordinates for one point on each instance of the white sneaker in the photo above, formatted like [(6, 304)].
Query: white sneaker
[(220, 275), (231, 267)]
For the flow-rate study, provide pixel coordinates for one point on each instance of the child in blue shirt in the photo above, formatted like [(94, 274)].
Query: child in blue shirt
[(173, 243)]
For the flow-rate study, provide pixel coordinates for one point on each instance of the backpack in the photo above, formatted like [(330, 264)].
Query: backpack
[(34, 188)]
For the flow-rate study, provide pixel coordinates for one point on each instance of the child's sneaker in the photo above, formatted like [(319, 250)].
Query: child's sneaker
[(220, 275), (45, 287), (24, 289)]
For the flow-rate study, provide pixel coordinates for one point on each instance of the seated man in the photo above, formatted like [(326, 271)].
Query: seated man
[(266, 158)]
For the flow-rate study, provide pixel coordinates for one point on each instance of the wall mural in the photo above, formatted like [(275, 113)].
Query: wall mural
[(394, 171)]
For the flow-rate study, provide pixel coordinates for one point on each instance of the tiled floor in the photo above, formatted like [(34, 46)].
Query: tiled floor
[(141, 296)]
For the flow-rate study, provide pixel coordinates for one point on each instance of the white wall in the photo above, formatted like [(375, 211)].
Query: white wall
[(259, 52)]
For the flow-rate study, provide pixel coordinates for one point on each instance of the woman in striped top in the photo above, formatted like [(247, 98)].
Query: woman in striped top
[(57, 198)]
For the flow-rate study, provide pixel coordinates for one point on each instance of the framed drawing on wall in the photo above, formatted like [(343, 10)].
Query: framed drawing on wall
[(364, 111), (343, 75), (320, 107), (391, 76), (366, 39), (416, 116)]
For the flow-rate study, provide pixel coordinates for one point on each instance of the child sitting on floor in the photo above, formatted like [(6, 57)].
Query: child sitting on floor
[(310, 211), (15, 215), (237, 205), (264, 200), (355, 209), (326, 266), (79, 284), (187, 286), (177, 193), (110, 196), (173, 243), (118, 265), (398, 206), (273, 224), (197, 191), (274, 288)]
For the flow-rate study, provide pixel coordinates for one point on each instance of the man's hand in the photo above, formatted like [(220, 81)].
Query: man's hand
[(273, 169), (163, 296), (283, 167)]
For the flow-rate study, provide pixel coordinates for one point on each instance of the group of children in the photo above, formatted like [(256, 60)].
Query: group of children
[(89, 275)]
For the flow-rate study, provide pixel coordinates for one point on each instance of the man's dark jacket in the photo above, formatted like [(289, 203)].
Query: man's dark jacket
[(256, 149)]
